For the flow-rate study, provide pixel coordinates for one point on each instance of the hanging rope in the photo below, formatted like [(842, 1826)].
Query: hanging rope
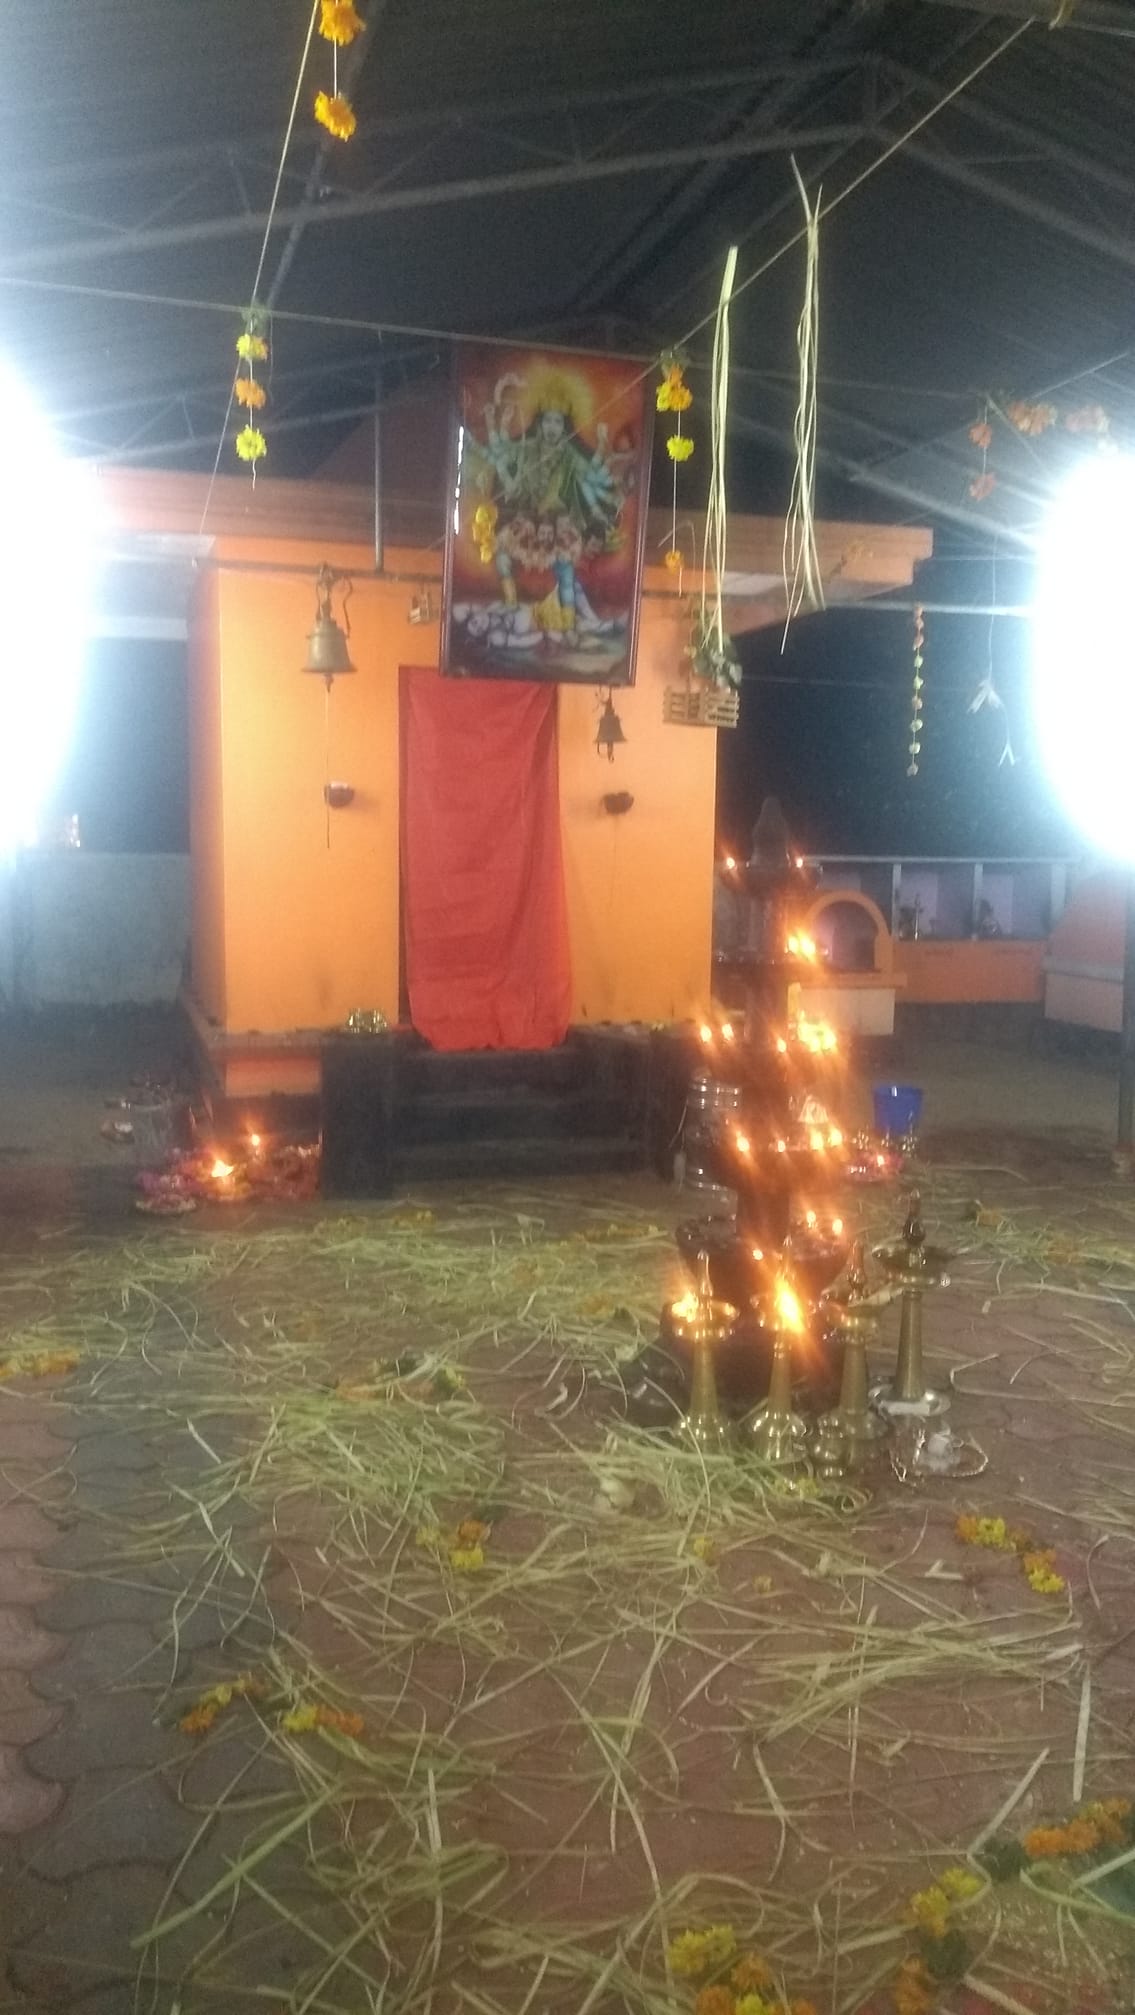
[(714, 543), (803, 582)]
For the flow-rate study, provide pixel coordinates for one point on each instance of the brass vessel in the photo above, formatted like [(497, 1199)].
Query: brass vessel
[(703, 1324), (914, 1268)]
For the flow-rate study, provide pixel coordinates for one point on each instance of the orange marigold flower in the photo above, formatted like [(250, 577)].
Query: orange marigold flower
[(751, 1973), (913, 1991), (336, 114), (471, 1532), (248, 393), (339, 22), (981, 434), (714, 2001), (199, 1720), (982, 487), (802, 2008), (339, 1722), (672, 561)]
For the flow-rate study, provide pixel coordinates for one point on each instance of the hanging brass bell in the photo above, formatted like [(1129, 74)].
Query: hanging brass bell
[(328, 655), (327, 652)]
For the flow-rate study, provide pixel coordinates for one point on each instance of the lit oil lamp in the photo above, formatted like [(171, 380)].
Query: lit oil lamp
[(775, 1431), (702, 1325), (222, 1175)]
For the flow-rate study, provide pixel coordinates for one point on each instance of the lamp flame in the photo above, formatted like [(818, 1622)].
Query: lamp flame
[(685, 1309), (726, 1031), (742, 1143), (789, 1312), (705, 1032), (221, 1170)]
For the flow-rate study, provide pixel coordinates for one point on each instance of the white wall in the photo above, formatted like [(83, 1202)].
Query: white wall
[(92, 930)]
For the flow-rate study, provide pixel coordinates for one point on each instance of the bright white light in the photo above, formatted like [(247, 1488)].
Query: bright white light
[(1084, 651), (46, 553)]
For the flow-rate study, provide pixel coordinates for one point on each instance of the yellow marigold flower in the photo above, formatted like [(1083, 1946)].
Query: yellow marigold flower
[(680, 447), (960, 1884), (714, 2001), (751, 1972), (1041, 1574), (248, 393), (704, 1548), (755, 2004), (338, 22), (429, 1536), (300, 1720), (672, 561), (335, 114), (930, 1910), (250, 444), (251, 348), (695, 1952), (467, 1559)]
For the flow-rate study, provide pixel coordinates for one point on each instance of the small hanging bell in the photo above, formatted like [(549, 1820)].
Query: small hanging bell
[(609, 733)]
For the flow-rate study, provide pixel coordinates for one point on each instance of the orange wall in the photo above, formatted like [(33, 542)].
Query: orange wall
[(963, 969), (311, 929), (206, 800), (300, 934), (640, 886)]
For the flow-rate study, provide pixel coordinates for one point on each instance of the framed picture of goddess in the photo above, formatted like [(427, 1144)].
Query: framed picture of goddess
[(547, 516)]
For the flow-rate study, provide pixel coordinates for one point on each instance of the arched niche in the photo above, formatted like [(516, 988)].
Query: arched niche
[(866, 926)]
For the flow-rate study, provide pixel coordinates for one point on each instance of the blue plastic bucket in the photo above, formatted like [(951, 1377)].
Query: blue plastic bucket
[(898, 1109)]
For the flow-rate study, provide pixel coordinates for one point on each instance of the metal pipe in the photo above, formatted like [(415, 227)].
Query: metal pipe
[(1029, 136), (1098, 17), (1032, 207), (467, 189)]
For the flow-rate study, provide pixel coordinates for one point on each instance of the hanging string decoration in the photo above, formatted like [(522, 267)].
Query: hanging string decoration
[(800, 561), (1032, 418), (711, 649), (248, 391), (914, 746), (339, 24), (673, 395)]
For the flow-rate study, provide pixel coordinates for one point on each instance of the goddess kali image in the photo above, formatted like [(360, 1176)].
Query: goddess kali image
[(546, 500)]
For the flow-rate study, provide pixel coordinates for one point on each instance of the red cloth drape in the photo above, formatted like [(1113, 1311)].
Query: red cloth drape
[(483, 910)]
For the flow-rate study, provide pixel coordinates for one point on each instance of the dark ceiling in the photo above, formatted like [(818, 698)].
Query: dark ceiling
[(576, 172)]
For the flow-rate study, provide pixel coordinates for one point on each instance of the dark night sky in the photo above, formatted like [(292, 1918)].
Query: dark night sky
[(825, 728)]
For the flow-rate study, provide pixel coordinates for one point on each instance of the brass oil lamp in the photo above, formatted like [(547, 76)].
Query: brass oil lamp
[(775, 1431), (703, 1324), (913, 1268), (854, 1311)]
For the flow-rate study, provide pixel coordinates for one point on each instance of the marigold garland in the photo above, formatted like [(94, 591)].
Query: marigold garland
[(336, 114), (308, 1717), (1038, 1563), (204, 1712), (248, 393)]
